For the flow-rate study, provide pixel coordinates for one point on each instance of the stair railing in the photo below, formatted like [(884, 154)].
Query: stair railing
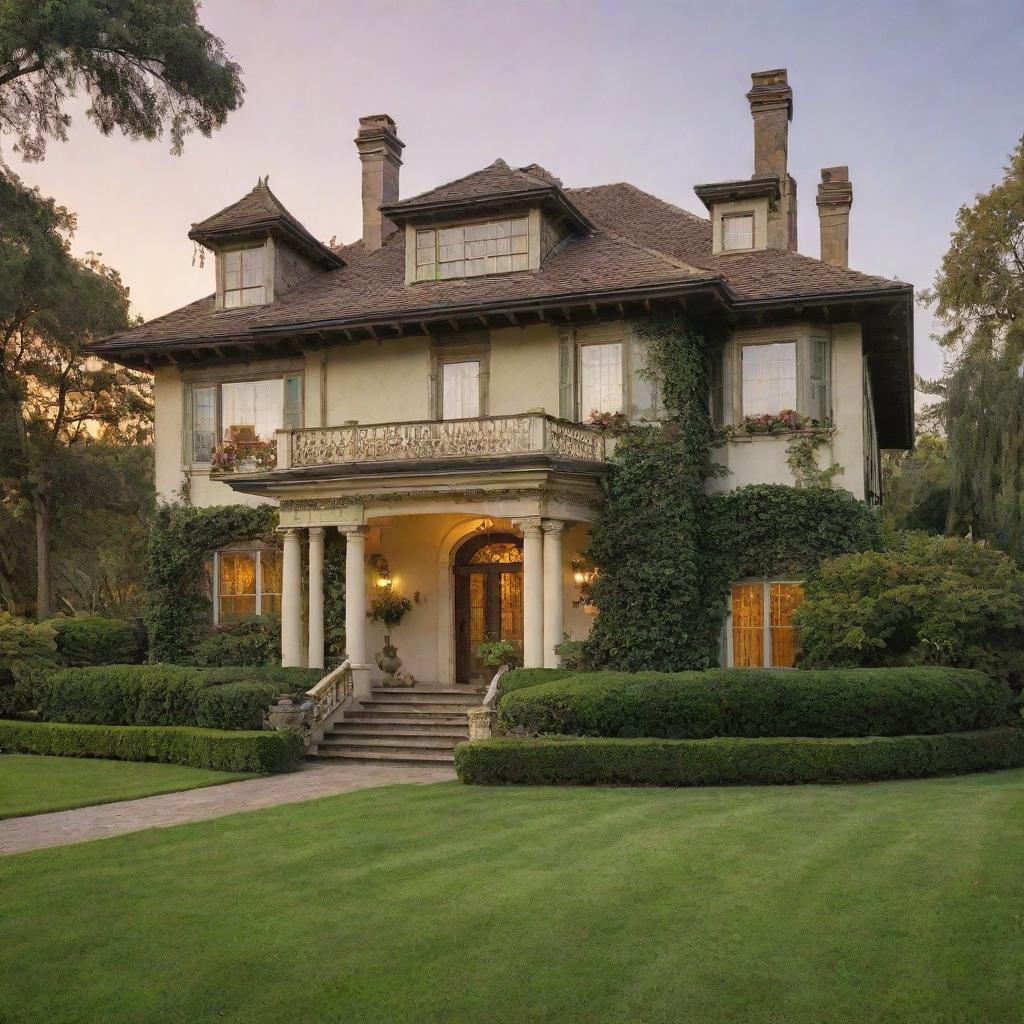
[(331, 692)]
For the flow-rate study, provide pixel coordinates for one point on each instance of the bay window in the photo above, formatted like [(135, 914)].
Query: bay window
[(243, 413), (763, 634), (769, 378)]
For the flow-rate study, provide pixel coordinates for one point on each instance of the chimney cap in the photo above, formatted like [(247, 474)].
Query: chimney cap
[(769, 89), (836, 174), (379, 128), (835, 188)]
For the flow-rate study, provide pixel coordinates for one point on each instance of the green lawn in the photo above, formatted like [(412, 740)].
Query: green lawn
[(31, 785), (894, 902)]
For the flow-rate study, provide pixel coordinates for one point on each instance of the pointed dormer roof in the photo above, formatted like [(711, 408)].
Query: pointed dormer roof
[(495, 187), (256, 214)]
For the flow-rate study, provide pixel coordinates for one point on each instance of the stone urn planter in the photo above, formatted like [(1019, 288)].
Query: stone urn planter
[(389, 663)]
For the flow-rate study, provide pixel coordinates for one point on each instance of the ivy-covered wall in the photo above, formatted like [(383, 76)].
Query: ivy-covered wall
[(667, 552), (181, 539)]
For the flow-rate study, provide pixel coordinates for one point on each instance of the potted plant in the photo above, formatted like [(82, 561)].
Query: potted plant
[(390, 609)]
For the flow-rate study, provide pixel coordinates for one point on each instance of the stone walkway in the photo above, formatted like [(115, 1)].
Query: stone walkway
[(61, 828)]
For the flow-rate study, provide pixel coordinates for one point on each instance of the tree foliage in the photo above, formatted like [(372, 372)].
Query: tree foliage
[(145, 65), (979, 297), (916, 488), (925, 600)]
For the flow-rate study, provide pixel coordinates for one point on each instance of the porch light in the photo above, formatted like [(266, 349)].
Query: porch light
[(582, 573), (380, 563)]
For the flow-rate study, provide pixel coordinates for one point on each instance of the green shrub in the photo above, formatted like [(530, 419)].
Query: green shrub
[(26, 650), (200, 748), (255, 642), (225, 698), (518, 678), (756, 702), (92, 640), (926, 600), (734, 761), (295, 681)]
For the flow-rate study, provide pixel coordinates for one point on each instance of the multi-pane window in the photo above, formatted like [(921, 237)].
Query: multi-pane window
[(737, 231), (460, 390), (245, 414), (769, 378), (763, 632), (600, 378), (243, 280), (248, 583), (472, 250)]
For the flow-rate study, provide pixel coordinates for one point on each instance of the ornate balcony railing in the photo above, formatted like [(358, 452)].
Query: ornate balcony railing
[(486, 437)]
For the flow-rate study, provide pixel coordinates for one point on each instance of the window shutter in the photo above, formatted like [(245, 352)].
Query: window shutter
[(716, 383), (820, 377), (645, 400), (567, 374), (204, 422), (292, 402)]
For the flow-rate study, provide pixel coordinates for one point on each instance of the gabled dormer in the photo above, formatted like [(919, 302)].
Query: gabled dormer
[(498, 220), (260, 249)]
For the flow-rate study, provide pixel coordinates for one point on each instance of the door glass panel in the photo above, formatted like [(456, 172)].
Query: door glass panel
[(785, 598), (477, 621), (499, 551), (512, 607), (460, 390), (748, 625)]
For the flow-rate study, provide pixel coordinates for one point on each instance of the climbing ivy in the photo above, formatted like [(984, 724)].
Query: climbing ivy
[(180, 542), (667, 552)]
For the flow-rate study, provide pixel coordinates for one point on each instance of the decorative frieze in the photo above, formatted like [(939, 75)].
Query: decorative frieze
[(473, 495), (487, 437)]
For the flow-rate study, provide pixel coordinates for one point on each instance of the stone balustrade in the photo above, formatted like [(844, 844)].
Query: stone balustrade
[(486, 437)]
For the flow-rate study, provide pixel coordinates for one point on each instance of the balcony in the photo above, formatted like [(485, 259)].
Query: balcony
[(489, 437)]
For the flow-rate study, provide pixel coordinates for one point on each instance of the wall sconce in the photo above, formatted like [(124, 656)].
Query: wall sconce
[(583, 574), (380, 563)]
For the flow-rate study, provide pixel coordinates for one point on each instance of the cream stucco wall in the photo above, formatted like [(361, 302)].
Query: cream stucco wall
[(524, 370)]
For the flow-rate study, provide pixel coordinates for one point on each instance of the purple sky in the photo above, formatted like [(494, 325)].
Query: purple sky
[(922, 100)]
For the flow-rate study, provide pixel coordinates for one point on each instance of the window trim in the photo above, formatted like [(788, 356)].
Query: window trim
[(765, 582), (267, 245), (214, 378), (804, 335), (256, 550), (471, 348), (735, 215), (583, 415)]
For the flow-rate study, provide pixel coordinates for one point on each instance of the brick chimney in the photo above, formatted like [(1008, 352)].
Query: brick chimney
[(835, 197), (771, 107), (380, 151)]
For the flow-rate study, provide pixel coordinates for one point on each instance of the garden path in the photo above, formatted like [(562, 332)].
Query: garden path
[(61, 828)]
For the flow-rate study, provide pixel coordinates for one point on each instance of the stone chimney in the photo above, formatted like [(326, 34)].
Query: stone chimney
[(771, 107), (835, 197), (380, 150)]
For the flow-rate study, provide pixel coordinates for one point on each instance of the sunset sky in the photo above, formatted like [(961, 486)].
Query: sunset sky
[(922, 100)]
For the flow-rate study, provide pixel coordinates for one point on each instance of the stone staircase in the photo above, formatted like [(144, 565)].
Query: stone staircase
[(418, 725)]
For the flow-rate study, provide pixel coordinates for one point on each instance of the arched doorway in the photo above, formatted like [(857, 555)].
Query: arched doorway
[(488, 599)]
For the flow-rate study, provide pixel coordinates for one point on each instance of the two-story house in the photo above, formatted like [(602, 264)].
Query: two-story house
[(430, 387)]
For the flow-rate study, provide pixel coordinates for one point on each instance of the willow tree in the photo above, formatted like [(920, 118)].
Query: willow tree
[(979, 298)]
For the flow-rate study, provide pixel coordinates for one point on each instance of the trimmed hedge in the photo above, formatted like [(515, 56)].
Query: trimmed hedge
[(519, 678), (93, 640), (756, 702), (733, 761), (200, 748), (226, 698)]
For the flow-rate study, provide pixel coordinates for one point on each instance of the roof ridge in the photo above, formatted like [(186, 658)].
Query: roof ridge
[(650, 195), (499, 164)]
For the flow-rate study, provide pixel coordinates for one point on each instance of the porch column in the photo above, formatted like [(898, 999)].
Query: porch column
[(553, 590), (291, 600), (533, 594), (316, 597), (355, 593)]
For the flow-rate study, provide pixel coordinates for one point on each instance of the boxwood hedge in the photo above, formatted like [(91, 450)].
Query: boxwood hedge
[(519, 678), (93, 640), (732, 760), (753, 702), (161, 695), (200, 748)]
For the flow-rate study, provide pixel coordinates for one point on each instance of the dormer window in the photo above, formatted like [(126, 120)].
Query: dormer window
[(243, 275), (737, 231), (472, 250)]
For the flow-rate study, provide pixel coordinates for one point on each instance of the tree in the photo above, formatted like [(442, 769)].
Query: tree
[(145, 64), (52, 394), (979, 297), (916, 487), (925, 600)]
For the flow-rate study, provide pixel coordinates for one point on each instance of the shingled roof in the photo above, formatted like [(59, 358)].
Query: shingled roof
[(260, 211)]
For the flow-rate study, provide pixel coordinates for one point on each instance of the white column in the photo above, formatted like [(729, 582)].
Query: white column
[(316, 597), (355, 593), (533, 594), (291, 600), (553, 590)]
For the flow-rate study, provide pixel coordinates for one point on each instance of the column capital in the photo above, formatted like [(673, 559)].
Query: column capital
[(530, 526), (289, 531), (316, 532), (348, 529), (553, 525)]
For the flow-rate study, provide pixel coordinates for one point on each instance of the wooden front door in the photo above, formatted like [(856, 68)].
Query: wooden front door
[(488, 600)]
